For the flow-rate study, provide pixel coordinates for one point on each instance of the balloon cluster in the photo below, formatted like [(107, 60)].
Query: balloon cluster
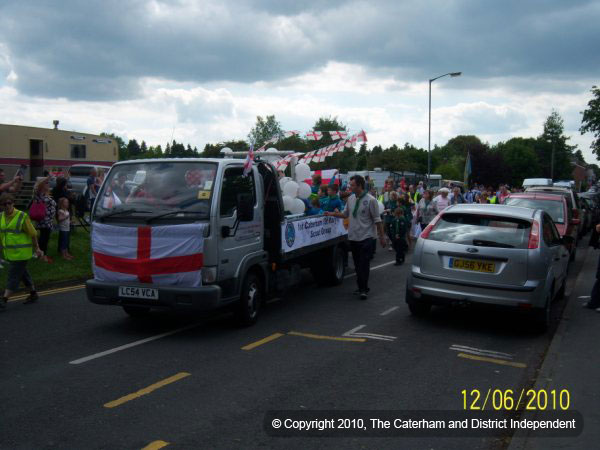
[(295, 191)]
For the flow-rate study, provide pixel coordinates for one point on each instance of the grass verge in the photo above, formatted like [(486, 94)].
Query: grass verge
[(61, 270)]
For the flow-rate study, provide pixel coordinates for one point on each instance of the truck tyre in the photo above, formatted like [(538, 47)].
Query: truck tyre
[(136, 311), (250, 301), (330, 269)]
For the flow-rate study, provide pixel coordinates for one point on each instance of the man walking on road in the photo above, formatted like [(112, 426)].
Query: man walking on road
[(362, 210), (594, 302)]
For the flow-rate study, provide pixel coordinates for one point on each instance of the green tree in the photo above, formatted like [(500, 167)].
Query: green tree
[(553, 140), (340, 160), (121, 146), (590, 122), (361, 157), (133, 149), (520, 160), (263, 130)]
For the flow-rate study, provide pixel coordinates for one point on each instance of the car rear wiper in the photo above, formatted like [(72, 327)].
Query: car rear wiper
[(483, 243), (172, 213), (122, 211)]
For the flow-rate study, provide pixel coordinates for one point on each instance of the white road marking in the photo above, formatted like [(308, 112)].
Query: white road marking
[(387, 311), (380, 337), (347, 333), (480, 351), (372, 268), (584, 296), (132, 344)]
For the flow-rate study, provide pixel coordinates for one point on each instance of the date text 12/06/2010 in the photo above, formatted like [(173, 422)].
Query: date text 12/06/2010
[(512, 400)]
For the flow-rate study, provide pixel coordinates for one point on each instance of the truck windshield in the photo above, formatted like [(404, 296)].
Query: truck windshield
[(147, 189)]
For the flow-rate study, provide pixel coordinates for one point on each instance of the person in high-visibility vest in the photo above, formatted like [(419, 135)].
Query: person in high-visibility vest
[(19, 244)]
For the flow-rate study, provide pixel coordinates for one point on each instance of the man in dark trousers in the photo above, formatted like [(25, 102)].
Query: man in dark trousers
[(362, 210), (594, 302)]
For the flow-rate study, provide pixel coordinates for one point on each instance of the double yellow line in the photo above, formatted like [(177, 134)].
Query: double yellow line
[(16, 298)]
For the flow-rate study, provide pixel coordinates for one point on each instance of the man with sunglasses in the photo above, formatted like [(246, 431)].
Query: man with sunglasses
[(19, 243)]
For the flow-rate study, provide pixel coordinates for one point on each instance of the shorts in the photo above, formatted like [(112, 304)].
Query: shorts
[(17, 272), (64, 238)]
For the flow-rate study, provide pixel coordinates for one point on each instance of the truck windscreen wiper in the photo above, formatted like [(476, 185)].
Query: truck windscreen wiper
[(172, 213), (122, 211)]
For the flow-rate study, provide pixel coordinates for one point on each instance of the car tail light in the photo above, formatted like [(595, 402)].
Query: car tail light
[(428, 228), (534, 236), (575, 213)]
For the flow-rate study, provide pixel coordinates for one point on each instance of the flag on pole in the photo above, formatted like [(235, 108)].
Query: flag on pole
[(362, 136), (335, 135), (467, 173), (291, 133), (249, 161)]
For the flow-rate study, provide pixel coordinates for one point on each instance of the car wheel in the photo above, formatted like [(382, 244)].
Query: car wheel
[(541, 316), (573, 253), (250, 301), (136, 311), (561, 292)]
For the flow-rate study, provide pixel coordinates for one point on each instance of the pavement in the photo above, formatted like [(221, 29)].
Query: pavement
[(573, 363), (76, 375)]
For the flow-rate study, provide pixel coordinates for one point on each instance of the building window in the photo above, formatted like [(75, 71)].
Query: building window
[(77, 151)]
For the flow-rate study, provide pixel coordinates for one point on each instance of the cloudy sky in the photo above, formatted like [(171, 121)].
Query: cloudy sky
[(201, 71)]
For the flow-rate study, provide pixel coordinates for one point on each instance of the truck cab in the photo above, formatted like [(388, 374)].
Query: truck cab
[(199, 234)]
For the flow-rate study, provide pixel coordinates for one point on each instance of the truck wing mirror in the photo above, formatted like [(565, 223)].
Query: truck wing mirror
[(245, 207)]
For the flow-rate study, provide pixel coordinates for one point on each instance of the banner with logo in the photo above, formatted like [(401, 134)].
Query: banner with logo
[(311, 230)]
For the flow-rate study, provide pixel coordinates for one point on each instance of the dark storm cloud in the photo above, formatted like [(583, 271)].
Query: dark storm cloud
[(101, 49)]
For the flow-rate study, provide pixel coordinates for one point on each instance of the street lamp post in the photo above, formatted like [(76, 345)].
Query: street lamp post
[(452, 74)]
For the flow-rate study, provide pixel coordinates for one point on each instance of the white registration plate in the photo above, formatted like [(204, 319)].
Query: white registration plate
[(138, 292)]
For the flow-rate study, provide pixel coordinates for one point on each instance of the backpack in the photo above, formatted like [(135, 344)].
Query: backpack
[(37, 211)]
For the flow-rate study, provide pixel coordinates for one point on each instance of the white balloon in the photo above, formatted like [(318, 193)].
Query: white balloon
[(302, 172), (298, 207), (304, 190), (288, 203), (381, 207), (291, 189), (226, 150), (272, 150), (283, 181)]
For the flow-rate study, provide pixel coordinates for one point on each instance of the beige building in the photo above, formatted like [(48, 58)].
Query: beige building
[(54, 150)]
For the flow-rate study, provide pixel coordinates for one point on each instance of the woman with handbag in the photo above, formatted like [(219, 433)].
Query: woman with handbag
[(45, 222), (427, 209)]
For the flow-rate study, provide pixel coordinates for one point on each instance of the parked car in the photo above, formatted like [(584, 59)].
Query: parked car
[(593, 205), (556, 206), (489, 254), (79, 173), (572, 201)]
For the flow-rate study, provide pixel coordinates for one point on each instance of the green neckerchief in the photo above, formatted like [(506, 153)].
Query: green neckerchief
[(357, 203)]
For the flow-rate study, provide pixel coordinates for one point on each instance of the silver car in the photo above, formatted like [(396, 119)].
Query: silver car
[(492, 254)]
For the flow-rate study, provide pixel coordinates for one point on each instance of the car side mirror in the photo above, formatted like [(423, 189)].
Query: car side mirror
[(245, 207)]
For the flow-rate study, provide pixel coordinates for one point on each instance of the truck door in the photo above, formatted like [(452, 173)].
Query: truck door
[(247, 238)]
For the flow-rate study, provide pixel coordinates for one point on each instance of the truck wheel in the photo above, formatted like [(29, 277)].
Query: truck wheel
[(250, 300), (331, 268), (136, 311)]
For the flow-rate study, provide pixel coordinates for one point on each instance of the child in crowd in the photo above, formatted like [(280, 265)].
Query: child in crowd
[(322, 195), (315, 208), (64, 228), (332, 203), (400, 226)]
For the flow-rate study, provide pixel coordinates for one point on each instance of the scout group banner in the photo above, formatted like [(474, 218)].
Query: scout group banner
[(312, 230)]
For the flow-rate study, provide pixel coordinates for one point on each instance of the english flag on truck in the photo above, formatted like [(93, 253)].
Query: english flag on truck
[(162, 255)]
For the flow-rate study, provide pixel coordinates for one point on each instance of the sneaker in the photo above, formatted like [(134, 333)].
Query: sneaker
[(390, 249), (33, 296), (363, 296), (358, 291), (598, 310)]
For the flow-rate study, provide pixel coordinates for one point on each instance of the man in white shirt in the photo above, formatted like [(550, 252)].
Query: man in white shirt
[(362, 210), (442, 200)]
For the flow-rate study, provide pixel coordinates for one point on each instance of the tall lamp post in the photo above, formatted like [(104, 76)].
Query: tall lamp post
[(452, 74)]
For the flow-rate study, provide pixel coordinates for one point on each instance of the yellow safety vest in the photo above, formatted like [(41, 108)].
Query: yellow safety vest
[(17, 244), (494, 199)]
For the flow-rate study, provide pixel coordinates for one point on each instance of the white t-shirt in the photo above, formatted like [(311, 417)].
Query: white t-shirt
[(442, 203), (64, 221)]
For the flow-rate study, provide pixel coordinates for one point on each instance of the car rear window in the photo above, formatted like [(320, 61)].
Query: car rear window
[(482, 230), (554, 208), (80, 171)]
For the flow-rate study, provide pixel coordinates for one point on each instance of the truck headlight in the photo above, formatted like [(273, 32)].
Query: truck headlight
[(209, 275)]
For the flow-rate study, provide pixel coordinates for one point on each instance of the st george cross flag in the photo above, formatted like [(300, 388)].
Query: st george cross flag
[(335, 135), (314, 135), (249, 160), (362, 136), (291, 133), (162, 255), (111, 200)]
